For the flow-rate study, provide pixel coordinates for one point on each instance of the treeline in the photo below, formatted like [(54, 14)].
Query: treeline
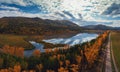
[(78, 58), (16, 51), (50, 45)]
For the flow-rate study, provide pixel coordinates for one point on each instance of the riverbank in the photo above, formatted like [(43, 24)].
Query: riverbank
[(23, 40), (46, 46), (15, 40)]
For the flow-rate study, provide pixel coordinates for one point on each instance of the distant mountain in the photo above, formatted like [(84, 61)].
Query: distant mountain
[(36, 26), (101, 27)]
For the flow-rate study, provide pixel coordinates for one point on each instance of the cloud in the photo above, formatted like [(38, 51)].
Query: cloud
[(83, 22), (61, 14), (8, 13), (69, 14), (8, 7), (116, 23), (47, 5), (16, 13), (82, 12), (114, 9), (74, 7), (115, 16), (17, 2)]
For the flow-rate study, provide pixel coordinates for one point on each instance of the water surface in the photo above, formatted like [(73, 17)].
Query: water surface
[(77, 39)]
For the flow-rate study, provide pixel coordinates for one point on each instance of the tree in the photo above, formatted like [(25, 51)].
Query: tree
[(67, 63), (36, 53), (17, 68), (39, 67), (16, 51), (1, 62)]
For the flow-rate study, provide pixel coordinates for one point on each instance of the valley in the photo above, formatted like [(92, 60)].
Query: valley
[(40, 45)]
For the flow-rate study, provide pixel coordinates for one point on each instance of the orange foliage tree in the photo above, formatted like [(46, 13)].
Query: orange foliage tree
[(16, 51), (36, 53)]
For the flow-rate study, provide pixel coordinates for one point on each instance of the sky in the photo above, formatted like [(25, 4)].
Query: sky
[(81, 12)]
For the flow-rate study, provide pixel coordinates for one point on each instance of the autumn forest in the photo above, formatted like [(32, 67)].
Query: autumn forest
[(85, 57)]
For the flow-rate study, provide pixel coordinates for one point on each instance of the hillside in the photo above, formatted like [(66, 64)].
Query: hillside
[(36, 26), (101, 27)]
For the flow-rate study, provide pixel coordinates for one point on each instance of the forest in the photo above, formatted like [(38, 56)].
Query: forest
[(83, 57)]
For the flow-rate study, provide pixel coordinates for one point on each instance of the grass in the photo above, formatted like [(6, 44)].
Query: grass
[(14, 40), (112, 64), (22, 41), (115, 37)]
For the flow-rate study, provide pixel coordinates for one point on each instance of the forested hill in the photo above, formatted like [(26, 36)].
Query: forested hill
[(101, 27), (36, 26)]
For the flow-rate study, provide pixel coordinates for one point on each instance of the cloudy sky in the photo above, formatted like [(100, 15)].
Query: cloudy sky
[(82, 12)]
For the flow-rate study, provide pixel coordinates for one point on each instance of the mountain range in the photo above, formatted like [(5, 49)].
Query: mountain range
[(36, 26), (100, 27)]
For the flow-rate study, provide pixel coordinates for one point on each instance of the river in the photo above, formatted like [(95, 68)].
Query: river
[(76, 39)]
